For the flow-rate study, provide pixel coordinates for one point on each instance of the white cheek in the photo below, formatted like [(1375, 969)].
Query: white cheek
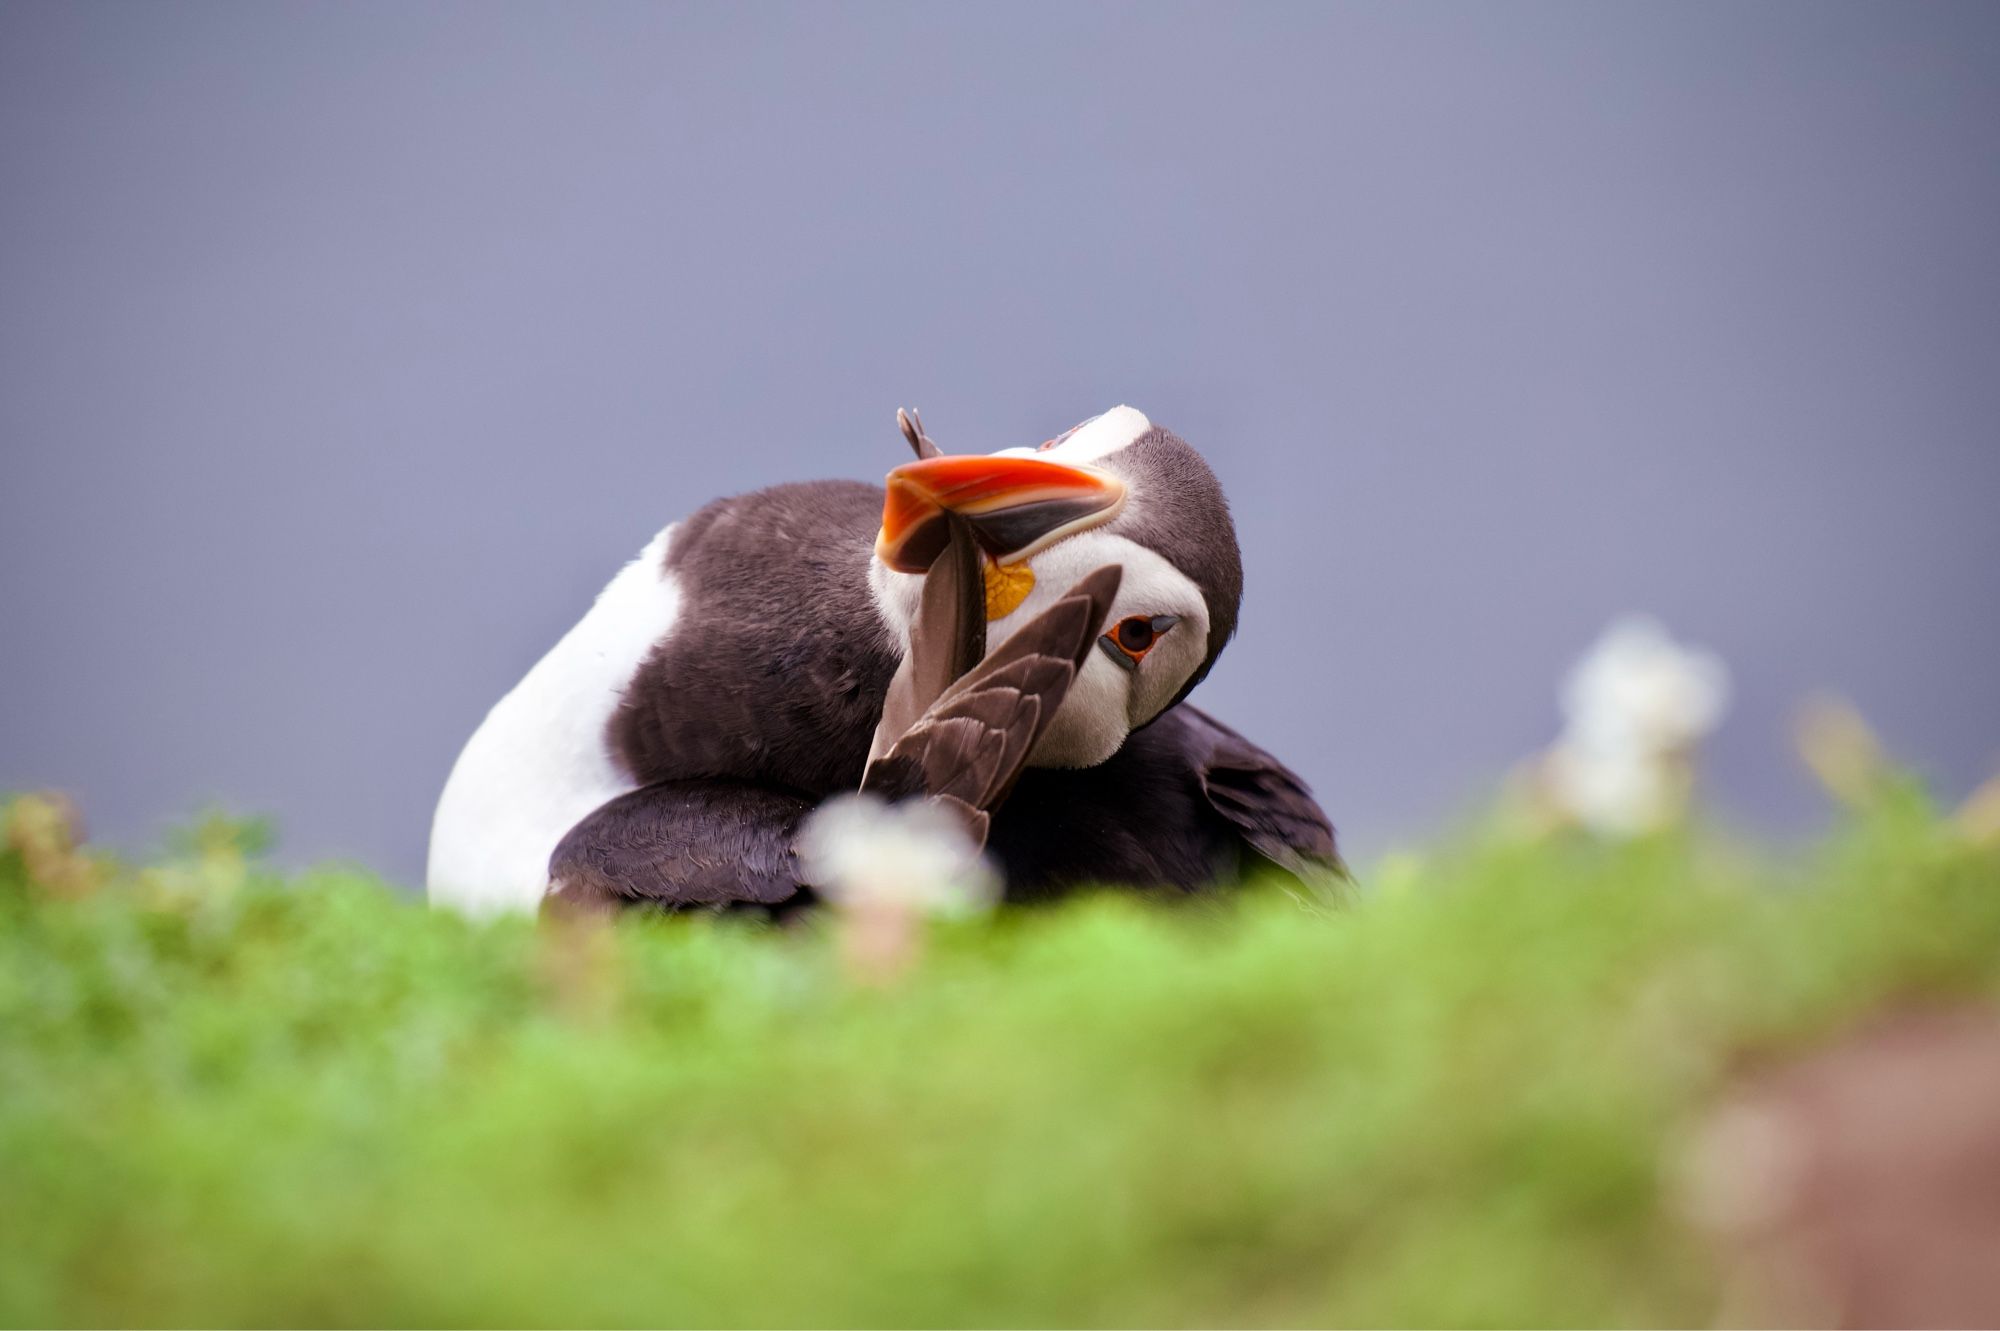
[(1091, 724), (1107, 701), (1166, 668), (897, 596)]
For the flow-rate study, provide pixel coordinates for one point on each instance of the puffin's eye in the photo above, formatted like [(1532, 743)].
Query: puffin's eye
[(1133, 636)]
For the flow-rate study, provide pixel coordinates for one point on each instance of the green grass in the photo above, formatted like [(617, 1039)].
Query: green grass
[(226, 1098)]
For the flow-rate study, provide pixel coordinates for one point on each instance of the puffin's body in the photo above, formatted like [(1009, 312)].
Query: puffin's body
[(733, 676)]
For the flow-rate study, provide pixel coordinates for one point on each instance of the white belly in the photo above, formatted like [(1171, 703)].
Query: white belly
[(539, 761)]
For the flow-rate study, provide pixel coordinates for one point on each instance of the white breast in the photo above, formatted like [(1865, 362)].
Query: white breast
[(539, 761)]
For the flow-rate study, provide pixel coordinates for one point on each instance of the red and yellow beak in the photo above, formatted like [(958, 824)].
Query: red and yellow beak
[(1014, 505)]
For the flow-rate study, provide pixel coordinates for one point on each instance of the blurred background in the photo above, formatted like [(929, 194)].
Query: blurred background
[(346, 351)]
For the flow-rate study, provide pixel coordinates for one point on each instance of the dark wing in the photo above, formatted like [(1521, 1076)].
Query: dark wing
[(1263, 798), (970, 746), (947, 638), (681, 843)]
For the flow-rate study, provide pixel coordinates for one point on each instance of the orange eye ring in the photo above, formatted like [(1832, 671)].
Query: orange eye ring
[(1128, 641)]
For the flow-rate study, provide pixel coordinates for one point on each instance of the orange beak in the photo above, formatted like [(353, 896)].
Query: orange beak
[(1014, 505)]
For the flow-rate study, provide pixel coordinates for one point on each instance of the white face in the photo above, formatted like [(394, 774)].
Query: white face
[(1110, 697)]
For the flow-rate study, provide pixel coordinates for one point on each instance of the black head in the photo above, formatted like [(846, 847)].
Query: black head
[(1177, 509)]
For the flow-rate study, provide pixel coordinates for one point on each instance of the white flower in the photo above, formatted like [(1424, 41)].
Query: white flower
[(863, 854), (1634, 708), (1639, 690), (1616, 793)]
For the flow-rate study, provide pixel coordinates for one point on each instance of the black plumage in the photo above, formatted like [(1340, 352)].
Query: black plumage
[(1185, 804)]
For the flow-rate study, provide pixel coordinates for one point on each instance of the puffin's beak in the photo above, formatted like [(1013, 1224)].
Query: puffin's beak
[(1014, 505)]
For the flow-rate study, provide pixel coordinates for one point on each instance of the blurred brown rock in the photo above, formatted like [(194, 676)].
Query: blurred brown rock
[(1860, 1186)]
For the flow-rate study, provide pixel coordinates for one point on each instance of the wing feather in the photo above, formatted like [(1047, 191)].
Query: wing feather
[(972, 743), (682, 843), (1267, 801), (947, 637)]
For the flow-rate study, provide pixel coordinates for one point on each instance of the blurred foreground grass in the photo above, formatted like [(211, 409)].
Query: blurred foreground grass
[(234, 1099)]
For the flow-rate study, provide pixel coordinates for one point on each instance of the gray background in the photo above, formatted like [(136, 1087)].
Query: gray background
[(345, 351)]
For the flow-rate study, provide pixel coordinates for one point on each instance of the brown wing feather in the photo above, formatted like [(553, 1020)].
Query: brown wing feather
[(1267, 801), (947, 638), (971, 745), (912, 426), (682, 843)]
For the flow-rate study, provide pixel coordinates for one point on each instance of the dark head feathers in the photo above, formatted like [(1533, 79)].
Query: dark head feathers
[(1177, 510)]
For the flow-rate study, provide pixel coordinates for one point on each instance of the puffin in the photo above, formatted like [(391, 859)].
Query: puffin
[(1012, 635)]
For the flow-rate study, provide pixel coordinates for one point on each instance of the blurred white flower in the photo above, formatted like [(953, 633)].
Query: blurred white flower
[(884, 866), (1638, 689), (859, 850), (1634, 708)]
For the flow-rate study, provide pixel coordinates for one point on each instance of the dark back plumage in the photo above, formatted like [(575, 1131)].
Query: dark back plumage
[(776, 668)]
